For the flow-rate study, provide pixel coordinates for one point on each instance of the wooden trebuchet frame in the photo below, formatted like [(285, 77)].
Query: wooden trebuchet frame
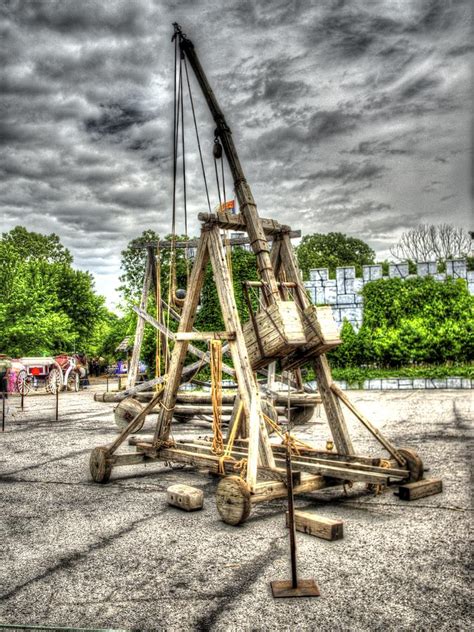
[(286, 329)]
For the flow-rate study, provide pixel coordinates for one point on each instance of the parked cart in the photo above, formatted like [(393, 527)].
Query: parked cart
[(51, 374)]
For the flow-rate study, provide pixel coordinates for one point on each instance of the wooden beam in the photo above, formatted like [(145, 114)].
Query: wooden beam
[(180, 348), (193, 243), (370, 427), (319, 526), (237, 222), (420, 489), (137, 345), (205, 335)]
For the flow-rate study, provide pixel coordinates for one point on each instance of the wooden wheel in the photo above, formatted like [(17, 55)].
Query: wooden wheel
[(233, 500), (99, 467), (302, 415), (54, 381), (414, 464), (23, 382), (127, 410)]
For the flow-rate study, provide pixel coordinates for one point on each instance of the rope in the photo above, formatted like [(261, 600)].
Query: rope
[(197, 135), (230, 442), (216, 395)]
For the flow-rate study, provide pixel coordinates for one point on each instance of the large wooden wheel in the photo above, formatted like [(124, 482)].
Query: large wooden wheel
[(99, 467), (54, 380), (127, 410), (233, 500), (414, 464), (23, 382)]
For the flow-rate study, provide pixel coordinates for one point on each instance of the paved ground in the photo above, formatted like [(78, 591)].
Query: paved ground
[(79, 554)]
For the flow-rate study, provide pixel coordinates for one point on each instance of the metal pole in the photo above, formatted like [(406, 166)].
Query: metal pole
[(107, 382), (22, 399), (57, 402), (291, 517), (3, 411)]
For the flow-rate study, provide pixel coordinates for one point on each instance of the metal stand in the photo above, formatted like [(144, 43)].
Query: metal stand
[(293, 587), (57, 404), (3, 412)]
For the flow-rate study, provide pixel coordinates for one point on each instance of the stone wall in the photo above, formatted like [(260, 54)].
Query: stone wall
[(343, 293)]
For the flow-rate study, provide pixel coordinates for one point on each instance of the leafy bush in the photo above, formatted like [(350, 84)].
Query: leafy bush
[(410, 322)]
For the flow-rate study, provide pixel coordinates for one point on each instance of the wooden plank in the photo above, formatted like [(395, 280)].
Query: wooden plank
[(319, 526), (237, 222), (180, 349), (205, 335), (370, 427), (420, 489), (272, 490), (335, 417), (193, 243), (248, 388), (137, 345)]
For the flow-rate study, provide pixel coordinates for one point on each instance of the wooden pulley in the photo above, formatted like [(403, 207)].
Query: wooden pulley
[(217, 150)]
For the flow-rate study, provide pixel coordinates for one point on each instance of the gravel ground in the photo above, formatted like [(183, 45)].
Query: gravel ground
[(79, 554)]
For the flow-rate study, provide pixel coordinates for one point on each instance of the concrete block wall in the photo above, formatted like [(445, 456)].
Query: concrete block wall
[(343, 293)]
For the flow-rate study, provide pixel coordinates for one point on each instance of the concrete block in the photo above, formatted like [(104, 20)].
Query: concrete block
[(426, 268), (405, 383), (373, 385), (453, 382), (439, 382), (371, 272), (342, 384), (320, 296), (319, 274), (358, 285), (185, 497), (439, 276), (330, 296), (466, 382), (456, 268), (419, 382), (389, 384), (398, 270), (344, 299)]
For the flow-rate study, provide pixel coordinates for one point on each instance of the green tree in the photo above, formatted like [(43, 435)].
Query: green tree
[(46, 306), (34, 246), (332, 250)]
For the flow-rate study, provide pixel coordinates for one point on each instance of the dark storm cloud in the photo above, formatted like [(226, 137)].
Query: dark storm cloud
[(344, 115)]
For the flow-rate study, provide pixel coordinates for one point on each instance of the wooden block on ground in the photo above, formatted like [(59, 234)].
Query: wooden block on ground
[(185, 497), (318, 526), (420, 489)]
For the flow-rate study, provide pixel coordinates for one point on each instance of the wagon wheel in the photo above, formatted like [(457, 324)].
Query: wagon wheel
[(302, 415), (23, 382), (414, 464), (233, 500), (100, 468), (54, 381), (73, 381)]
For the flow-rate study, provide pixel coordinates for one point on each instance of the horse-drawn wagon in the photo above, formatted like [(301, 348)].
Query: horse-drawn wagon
[(50, 373)]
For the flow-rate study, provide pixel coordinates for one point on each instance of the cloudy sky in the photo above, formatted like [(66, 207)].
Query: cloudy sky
[(348, 116)]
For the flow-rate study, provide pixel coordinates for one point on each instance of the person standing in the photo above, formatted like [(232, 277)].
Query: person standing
[(5, 367)]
